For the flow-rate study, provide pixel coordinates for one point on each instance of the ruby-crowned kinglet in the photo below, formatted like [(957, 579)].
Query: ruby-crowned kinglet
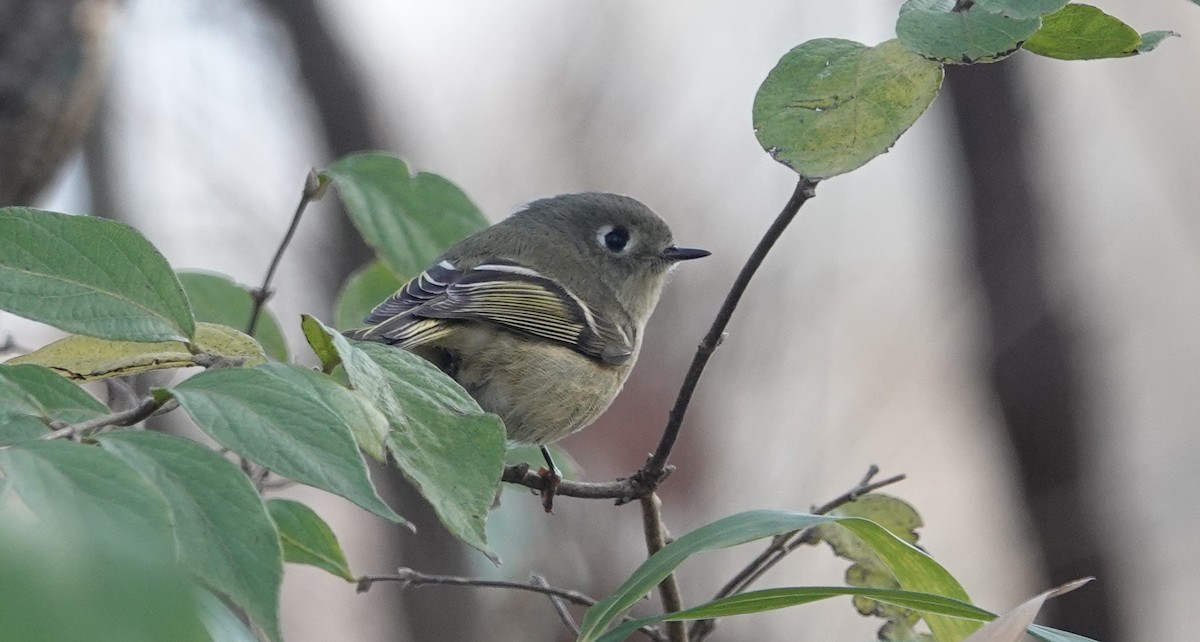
[(540, 316)]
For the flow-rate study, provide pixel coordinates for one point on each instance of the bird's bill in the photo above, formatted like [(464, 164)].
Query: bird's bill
[(684, 253)]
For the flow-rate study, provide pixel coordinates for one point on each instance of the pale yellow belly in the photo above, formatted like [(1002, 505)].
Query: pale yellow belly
[(543, 391)]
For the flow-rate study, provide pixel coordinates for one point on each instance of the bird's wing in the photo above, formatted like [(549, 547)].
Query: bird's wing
[(500, 292)]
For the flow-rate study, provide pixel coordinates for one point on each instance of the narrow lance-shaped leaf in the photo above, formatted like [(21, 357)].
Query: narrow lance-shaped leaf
[(914, 570), (831, 105), (407, 219), (868, 570), (222, 531), (89, 276), (773, 599), (288, 419)]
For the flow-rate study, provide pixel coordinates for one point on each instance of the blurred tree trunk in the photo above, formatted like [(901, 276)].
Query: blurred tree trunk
[(338, 93), (52, 61), (1032, 352)]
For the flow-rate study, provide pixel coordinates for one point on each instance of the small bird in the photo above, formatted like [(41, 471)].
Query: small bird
[(539, 317)]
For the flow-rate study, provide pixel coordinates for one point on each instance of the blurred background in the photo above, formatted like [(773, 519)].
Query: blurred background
[(1004, 307)]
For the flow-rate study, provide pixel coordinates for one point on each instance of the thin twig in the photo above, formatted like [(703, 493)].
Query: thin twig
[(127, 417), (313, 188), (409, 578), (657, 464), (668, 588), (783, 544), (560, 607)]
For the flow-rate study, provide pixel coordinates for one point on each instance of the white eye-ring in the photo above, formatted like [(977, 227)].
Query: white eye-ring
[(614, 238)]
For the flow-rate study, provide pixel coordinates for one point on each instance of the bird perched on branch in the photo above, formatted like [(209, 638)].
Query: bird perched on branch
[(539, 317)]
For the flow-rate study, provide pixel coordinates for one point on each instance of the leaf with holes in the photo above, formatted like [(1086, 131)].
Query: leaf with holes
[(831, 105)]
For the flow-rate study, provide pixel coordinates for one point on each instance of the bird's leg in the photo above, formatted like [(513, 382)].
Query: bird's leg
[(552, 477)]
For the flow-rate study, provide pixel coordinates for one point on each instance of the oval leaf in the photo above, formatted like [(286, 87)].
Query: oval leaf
[(89, 276), (408, 220), (287, 419), (1083, 32), (449, 448), (20, 428), (222, 531), (361, 292), (933, 29), (831, 105), (74, 486), (218, 299), (89, 359), (307, 539), (89, 583), (38, 392), (1021, 8)]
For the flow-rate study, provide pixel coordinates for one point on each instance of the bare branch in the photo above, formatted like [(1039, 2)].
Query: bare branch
[(128, 417), (313, 189), (654, 468), (409, 578), (560, 607)]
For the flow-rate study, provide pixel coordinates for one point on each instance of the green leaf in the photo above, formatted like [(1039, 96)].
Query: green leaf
[(83, 358), (20, 428), (1021, 8), (288, 419), (449, 448), (218, 299), (831, 105), (32, 396), (1152, 39), (933, 29), (1083, 32), (89, 276), (408, 220), (307, 539), (914, 570), (73, 486), (773, 599), (222, 531), (38, 392), (868, 571), (89, 582), (362, 291), (222, 624)]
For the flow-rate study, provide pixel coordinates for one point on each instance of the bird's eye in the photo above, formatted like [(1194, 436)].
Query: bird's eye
[(616, 239)]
